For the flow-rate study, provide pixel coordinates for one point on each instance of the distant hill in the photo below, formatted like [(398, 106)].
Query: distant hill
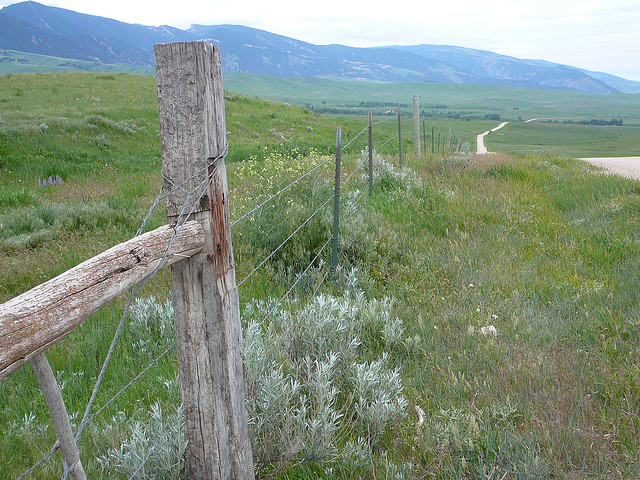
[(35, 28)]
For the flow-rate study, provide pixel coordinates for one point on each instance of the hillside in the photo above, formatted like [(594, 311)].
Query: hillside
[(35, 28)]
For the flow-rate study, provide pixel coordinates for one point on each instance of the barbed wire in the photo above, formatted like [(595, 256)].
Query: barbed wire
[(203, 186), (392, 117), (201, 189), (46, 457), (375, 150), (355, 170), (295, 283), (285, 241), (182, 218), (258, 207), (354, 138)]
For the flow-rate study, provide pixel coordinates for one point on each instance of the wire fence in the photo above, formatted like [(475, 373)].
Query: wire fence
[(193, 197)]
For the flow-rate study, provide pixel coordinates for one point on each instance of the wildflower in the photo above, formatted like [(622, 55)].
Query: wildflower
[(489, 331)]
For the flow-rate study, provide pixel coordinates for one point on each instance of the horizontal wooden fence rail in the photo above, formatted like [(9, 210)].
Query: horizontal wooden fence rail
[(34, 321)]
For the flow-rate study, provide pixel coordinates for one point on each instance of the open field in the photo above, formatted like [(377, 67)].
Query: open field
[(393, 371), (563, 139), (467, 101)]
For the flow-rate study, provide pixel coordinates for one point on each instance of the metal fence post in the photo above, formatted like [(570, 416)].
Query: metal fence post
[(336, 200), (399, 139), (416, 126), (370, 155)]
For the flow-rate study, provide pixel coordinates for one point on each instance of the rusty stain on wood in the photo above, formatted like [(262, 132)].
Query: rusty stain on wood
[(206, 306)]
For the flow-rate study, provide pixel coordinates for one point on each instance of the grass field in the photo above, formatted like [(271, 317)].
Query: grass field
[(394, 372), (470, 101), (563, 139)]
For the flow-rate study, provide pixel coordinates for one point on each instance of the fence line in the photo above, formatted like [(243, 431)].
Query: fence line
[(354, 138), (285, 241), (258, 207), (192, 201)]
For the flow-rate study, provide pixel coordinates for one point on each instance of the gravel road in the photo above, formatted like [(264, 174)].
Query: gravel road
[(625, 166), (481, 149)]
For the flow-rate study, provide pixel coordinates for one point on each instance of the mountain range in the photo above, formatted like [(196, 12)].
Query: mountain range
[(35, 28)]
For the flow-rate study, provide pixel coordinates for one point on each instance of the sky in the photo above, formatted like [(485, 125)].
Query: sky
[(602, 35)]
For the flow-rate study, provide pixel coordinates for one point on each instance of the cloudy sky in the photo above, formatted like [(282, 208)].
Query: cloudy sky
[(602, 35)]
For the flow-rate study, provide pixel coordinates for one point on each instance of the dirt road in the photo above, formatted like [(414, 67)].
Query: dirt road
[(625, 166), (481, 149)]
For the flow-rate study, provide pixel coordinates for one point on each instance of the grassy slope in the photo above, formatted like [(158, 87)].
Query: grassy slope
[(12, 61), (543, 248), (509, 102)]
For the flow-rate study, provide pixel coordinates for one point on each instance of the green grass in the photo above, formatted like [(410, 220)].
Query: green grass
[(566, 139), (470, 101), (544, 248), (12, 62)]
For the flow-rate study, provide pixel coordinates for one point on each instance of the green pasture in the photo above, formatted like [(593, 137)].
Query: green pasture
[(566, 139), (389, 369)]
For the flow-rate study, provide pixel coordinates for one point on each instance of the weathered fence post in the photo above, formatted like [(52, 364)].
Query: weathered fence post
[(399, 139), (205, 297), (336, 201), (416, 126), (59, 415), (370, 155)]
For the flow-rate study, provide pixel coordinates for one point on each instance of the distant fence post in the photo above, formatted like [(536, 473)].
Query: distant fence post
[(433, 139), (59, 415), (424, 136), (370, 154), (205, 297), (399, 139), (336, 201), (416, 126)]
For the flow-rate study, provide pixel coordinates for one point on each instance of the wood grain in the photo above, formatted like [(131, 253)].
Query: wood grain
[(205, 297), (34, 321)]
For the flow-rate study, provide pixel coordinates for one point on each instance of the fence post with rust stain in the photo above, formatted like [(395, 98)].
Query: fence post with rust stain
[(205, 297)]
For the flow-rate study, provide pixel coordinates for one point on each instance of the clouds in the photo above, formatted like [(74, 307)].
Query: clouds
[(598, 35)]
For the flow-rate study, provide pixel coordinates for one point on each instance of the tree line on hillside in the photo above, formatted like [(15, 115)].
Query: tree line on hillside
[(614, 122)]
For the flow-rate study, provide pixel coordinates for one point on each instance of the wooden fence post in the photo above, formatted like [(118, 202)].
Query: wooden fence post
[(399, 139), (416, 126), (59, 415), (336, 201), (205, 297), (370, 155)]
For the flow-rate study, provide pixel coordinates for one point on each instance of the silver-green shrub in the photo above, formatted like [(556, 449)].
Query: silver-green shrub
[(315, 375), (309, 377), (154, 450)]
